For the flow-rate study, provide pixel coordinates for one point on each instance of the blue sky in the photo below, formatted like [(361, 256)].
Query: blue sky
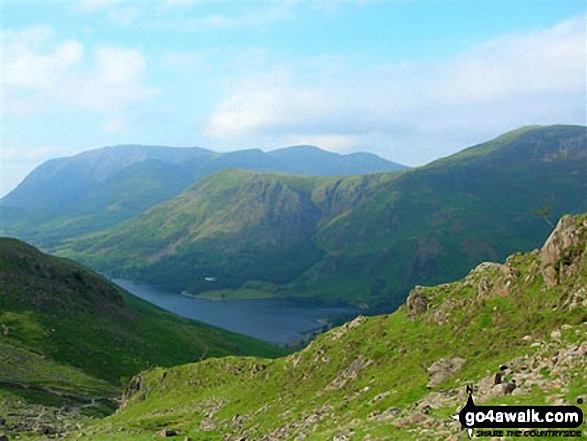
[(408, 80)]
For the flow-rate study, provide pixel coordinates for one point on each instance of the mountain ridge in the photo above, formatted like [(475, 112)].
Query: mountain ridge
[(69, 197), (366, 239)]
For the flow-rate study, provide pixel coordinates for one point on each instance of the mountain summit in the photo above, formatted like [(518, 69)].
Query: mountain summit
[(68, 197)]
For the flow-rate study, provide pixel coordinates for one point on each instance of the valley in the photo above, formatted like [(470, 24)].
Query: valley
[(363, 240), (293, 220), (70, 340), (283, 257), (397, 376)]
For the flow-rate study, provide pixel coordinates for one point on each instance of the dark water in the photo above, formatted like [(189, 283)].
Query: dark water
[(272, 320)]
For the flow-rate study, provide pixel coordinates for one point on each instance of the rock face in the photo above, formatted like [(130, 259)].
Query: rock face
[(563, 237), (134, 387), (442, 369), (561, 250), (417, 302)]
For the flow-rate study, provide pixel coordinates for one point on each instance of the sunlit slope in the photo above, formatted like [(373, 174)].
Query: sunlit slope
[(67, 314), (94, 190), (432, 224), (364, 240), (398, 376)]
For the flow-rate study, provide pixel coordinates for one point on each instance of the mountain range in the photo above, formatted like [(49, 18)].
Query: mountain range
[(68, 197), (69, 338), (364, 239)]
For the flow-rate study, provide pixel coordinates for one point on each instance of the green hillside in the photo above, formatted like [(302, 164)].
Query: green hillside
[(393, 377), (431, 224), (366, 239), (94, 190), (68, 336)]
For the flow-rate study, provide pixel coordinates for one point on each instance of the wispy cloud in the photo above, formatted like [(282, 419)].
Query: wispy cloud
[(253, 16), (118, 11), (515, 80), (40, 71)]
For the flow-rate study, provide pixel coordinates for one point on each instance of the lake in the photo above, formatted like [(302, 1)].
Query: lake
[(273, 320)]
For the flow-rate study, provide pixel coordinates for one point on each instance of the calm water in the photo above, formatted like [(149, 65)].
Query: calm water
[(277, 321)]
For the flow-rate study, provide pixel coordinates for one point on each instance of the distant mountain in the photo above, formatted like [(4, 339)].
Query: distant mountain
[(68, 197), (515, 332), (312, 161), (364, 239), (61, 184), (68, 336)]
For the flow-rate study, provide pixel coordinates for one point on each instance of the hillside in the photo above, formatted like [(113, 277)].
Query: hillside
[(364, 240), (70, 337), (398, 376), (97, 189)]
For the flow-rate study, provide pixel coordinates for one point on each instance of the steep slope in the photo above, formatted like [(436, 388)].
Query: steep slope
[(398, 376), (432, 223), (68, 335), (94, 190), (233, 226), (364, 240)]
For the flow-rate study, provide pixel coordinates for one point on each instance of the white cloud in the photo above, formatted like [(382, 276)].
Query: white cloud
[(172, 3), (505, 83), (548, 61), (40, 71), (25, 64), (116, 124), (115, 10), (257, 16)]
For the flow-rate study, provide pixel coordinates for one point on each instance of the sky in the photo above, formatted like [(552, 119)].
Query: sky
[(409, 80)]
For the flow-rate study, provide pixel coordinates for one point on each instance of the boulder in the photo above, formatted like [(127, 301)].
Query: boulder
[(417, 302), (442, 369)]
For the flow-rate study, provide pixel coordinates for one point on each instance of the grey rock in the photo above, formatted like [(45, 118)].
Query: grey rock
[(442, 369)]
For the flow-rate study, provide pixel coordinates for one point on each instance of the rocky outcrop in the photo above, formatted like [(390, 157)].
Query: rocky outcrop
[(336, 333), (558, 361), (559, 255), (349, 374), (417, 302), (135, 389), (442, 369), (492, 279)]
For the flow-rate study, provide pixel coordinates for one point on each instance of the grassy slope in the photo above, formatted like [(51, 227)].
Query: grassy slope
[(66, 330), (69, 197), (230, 224), (369, 377), (430, 224), (364, 239)]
